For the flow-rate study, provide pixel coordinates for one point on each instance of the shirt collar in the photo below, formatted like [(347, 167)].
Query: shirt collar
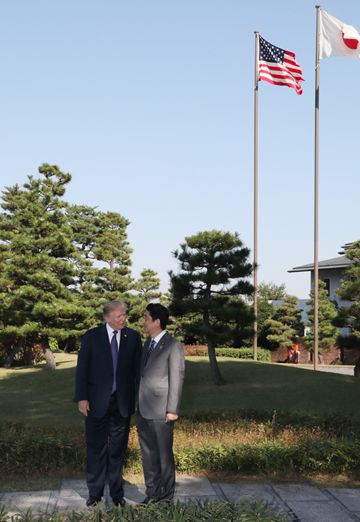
[(159, 336), (110, 331)]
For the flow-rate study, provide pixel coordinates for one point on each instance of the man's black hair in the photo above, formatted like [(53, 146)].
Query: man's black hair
[(158, 311)]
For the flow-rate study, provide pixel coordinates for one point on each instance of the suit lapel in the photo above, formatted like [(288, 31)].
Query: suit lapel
[(164, 341), (123, 340), (105, 342), (122, 345), (144, 352)]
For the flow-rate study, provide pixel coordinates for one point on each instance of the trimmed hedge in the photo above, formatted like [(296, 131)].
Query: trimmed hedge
[(335, 424), (25, 451), (306, 458), (235, 353), (244, 353)]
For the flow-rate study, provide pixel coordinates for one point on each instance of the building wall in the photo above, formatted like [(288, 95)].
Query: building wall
[(334, 275)]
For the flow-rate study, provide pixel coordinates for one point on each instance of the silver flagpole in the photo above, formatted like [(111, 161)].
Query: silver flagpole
[(316, 193), (255, 253)]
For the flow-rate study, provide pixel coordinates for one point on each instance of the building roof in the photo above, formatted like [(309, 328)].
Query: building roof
[(334, 262)]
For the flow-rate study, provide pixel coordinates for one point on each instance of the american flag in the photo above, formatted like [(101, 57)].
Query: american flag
[(279, 67)]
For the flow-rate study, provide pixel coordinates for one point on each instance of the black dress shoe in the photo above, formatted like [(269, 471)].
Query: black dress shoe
[(119, 502), (91, 501)]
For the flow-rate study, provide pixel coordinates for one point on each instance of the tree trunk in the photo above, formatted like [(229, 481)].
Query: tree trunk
[(357, 369), (49, 356), (68, 345), (215, 371)]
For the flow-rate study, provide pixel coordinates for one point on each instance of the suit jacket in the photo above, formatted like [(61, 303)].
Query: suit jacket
[(161, 379), (95, 372)]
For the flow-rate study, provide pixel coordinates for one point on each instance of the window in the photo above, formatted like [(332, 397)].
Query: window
[(327, 285)]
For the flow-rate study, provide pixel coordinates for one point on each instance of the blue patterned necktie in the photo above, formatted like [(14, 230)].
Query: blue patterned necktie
[(150, 349), (115, 354)]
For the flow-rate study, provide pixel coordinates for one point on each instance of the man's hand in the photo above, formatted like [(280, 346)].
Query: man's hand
[(170, 417), (84, 407)]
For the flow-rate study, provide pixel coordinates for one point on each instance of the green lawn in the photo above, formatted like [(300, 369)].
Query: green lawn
[(35, 396)]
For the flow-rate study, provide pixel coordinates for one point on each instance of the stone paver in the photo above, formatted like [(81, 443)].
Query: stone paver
[(319, 511), (340, 369), (21, 501), (347, 497), (299, 501), (298, 491), (247, 492), (254, 492), (200, 486)]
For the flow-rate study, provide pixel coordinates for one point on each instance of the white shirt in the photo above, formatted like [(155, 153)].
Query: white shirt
[(110, 332), (158, 337)]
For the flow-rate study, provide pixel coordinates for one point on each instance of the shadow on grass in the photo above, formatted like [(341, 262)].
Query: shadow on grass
[(46, 398)]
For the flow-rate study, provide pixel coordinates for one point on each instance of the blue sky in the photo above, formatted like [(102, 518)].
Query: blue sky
[(149, 104)]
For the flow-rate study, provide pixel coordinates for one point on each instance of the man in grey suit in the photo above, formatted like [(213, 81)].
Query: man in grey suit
[(161, 379)]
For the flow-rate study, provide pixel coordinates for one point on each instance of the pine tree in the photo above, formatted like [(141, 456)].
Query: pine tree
[(38, 298), (210, 288), (148, 285), (113, 251), (144, 290), (267, 293), (103, 264), (271, 291), (85, 226), (327, 313), (350, 290), (285, 326)]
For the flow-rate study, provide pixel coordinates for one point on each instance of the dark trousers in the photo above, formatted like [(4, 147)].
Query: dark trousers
[(156, 442), (106, 443)]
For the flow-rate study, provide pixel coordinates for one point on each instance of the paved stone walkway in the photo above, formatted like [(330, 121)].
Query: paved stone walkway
[(330, 368), (299, 501)]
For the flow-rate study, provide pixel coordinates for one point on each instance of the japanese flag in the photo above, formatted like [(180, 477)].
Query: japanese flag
[(337, 38)]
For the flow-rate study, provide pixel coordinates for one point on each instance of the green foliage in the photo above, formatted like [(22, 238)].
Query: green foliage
[(350, 289), (271, 291), (267, 293), (239, 353), (162, 512), (265, 311), (147, 286), (348, 341), (309, 457), (327, 312), (23, 450), (333, 425), (244, 353), (37, 281), (58, 264), (144, 290), (285, 325), (211, 288), (104, 257)]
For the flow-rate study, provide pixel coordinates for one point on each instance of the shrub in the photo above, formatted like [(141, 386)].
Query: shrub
[(349, 341), (195, 350), (25, 451), (309, 457), (244, 353), (235, 353), (164, 512)]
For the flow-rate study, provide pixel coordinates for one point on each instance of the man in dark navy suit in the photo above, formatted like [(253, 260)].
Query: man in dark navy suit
[(105, 390)]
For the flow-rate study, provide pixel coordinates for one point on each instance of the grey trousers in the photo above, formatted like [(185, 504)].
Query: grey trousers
[(156, 442)]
